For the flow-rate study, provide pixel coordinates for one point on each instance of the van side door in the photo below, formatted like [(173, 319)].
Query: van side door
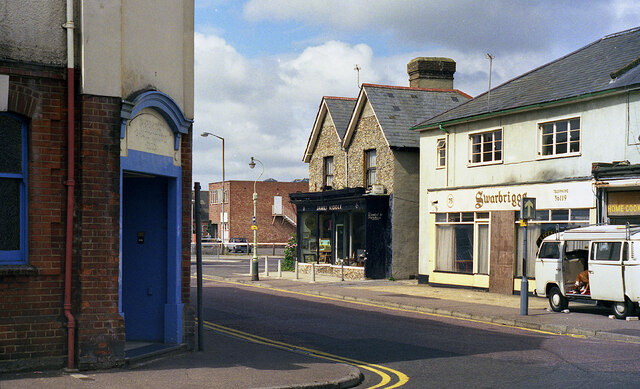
[(605, 271), (631, 270)]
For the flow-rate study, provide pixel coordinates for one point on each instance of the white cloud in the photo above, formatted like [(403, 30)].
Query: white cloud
[(265, 107)]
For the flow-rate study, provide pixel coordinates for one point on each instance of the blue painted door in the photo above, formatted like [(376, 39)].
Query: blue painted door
[(144, 256)]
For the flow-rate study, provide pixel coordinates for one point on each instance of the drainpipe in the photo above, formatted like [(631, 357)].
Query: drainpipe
[(71, 322)]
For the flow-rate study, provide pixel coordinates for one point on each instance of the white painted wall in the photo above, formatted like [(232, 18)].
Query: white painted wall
[(605, 126), (129, 45)]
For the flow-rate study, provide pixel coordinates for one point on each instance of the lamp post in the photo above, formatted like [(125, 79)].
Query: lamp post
[(206, 134), (254, 226)]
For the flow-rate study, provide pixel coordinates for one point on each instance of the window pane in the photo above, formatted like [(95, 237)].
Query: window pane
[(483, 248), (488, 137), (561, 148), (542, 215), (9, 214), (11, 145), (498, 146), (475, 158), (445, 248), (487, 146), (606, 251), (579, 214), (497, 135), (441, 217), (476, 149), (575, 135), (547, 139), (464, 248), (547, 129), (467, 217), (482, 215), (550, 250), (454, 217), (574, 147), (561, 137), (486, 157), (477, 139), (575, 124), (560, 214), (561, 126), (547, 150)]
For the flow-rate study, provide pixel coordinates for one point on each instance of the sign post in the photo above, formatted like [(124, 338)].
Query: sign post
[(527, 212)]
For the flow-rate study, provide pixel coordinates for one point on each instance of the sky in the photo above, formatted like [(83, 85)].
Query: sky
[(263, 66)]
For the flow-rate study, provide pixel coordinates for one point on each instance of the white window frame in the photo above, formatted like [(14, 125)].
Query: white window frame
[(441, 147), (569, 153), (477, 219), (368, 169), (327, 177), (493, 151)]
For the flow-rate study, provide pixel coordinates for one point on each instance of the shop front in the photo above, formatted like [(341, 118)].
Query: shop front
[(475, 236), (618, 192), (346, 227)]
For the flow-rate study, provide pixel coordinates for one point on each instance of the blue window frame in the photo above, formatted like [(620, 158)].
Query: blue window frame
[(13, 190)]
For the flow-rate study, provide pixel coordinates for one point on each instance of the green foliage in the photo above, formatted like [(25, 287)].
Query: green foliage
[(290, 252)]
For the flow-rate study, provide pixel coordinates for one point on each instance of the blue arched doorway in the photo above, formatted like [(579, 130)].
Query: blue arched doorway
[(151, 217)]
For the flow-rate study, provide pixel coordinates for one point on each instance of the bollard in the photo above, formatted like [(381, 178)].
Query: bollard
[(297, 274), (250, 269), (342, 271), (279, 267), (266, 266), (313, 272), (274, 249)]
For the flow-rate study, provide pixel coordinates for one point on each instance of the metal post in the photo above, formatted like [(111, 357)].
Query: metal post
[(254, 259), (274, 249), (313, 272), (342, 271), (196, 210), (279, 267), (266, 266), (524, 285), (297, 274)]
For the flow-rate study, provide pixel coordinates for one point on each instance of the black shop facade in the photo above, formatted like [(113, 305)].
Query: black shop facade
[(346, 226)]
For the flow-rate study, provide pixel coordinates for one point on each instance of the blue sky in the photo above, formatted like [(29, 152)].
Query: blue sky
[(262, 66)]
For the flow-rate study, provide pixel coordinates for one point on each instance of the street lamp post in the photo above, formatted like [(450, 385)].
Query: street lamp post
[(205, 134), (254, 226)]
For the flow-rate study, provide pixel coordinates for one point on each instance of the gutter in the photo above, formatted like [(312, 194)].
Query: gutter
[(70, 183), (516, 109)]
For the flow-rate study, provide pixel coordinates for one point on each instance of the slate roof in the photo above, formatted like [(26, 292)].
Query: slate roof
[(400, 108), (340, 110), (607, 64)]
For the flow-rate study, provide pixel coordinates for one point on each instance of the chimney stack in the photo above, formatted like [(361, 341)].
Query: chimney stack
[(431, 72)]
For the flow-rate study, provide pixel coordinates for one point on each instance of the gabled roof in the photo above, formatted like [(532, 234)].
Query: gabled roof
[(339, 109), (604, 66), (399, 108)]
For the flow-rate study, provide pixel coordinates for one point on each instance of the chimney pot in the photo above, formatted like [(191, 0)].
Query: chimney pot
[(431, 72)]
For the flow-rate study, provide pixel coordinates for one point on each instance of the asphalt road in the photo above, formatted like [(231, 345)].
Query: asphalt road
[(428, 351)]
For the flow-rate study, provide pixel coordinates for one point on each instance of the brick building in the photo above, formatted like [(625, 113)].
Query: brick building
[(96, 154), (276, 216), (363, 170)]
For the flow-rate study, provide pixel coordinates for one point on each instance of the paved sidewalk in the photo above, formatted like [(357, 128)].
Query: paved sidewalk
[(227, 362)]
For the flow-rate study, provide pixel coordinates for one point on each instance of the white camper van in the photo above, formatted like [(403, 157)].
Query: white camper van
[(608, 256)]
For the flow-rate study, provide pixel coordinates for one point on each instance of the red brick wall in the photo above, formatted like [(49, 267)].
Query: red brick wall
[(100, 328), (31, 321), (240, 209)]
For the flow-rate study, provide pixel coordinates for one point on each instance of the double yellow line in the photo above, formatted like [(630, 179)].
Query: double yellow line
[(399, 378)]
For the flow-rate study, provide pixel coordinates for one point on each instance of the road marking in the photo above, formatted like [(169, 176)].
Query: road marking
[(391, 308), (377, 369)]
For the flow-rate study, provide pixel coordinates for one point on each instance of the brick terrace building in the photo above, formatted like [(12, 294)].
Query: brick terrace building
[(276, 216), (95, 177)]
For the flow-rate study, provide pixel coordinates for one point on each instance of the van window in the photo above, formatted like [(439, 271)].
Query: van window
[(550, 250), (625, 251), (606, 251)]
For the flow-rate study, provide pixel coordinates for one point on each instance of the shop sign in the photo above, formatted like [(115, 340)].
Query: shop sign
[(337, 207), (623, 203), (563, 195), (375, 216)]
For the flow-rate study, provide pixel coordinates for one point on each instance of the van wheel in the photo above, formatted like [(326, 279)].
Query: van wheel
[(622, 309), (557, 301)]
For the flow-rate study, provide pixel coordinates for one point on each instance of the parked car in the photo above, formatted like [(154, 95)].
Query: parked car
[(238, 245), (600, 263)]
